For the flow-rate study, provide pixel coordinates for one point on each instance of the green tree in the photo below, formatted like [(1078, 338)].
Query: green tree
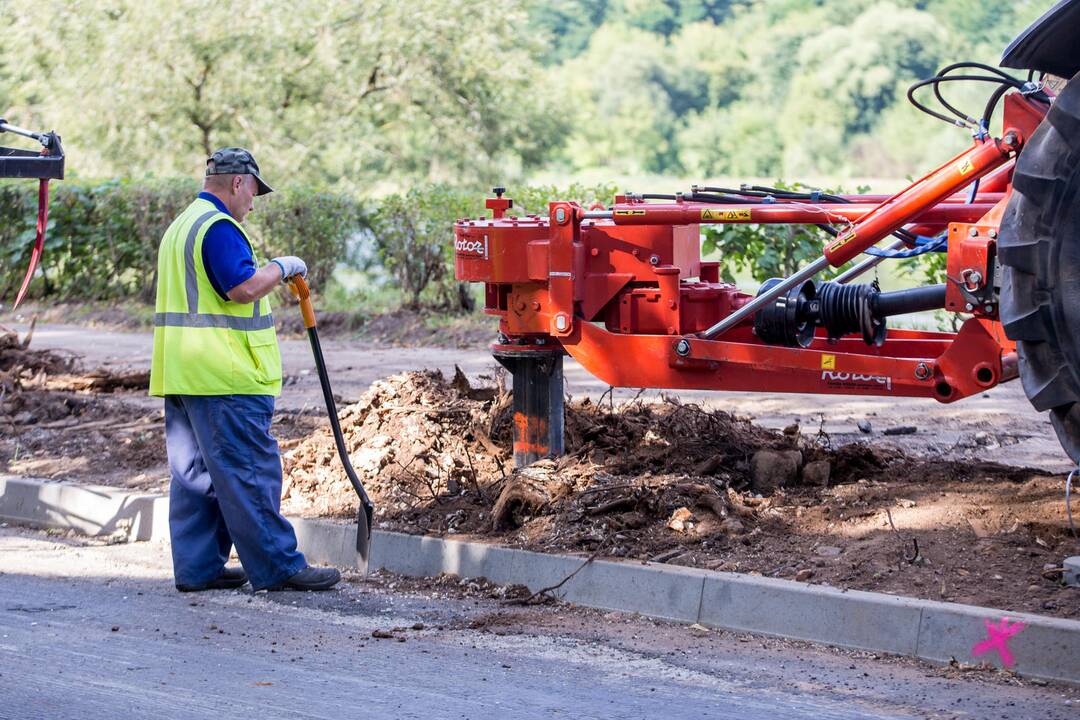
[(338, 92), (848, 76)]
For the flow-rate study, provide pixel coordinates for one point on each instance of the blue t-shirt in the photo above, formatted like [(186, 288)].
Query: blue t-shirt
[(226, 254)]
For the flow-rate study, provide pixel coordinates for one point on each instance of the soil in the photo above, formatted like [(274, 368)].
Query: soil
[(666, 481)]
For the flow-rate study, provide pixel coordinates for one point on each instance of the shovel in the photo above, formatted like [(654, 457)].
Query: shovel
[(365, 514)]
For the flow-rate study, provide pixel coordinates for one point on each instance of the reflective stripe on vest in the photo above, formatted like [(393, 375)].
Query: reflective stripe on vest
[(208, 320), (204, 344)]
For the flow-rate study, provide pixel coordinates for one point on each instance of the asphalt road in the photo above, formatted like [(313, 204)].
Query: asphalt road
[(96, 631)]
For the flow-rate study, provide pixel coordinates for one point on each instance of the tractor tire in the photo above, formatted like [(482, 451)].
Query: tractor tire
[(1039, 252)]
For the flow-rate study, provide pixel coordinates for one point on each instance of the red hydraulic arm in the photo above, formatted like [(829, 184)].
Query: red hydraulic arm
[(624, 290)]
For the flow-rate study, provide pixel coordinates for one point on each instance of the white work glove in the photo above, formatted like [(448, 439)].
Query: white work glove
[(290, 265)]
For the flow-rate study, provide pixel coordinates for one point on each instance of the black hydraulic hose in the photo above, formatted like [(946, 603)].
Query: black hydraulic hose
[(964, 120), (903, 302), (722, 199), (991, 104)]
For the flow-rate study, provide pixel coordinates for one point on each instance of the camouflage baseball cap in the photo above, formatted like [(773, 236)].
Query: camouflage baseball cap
[(236, 161)]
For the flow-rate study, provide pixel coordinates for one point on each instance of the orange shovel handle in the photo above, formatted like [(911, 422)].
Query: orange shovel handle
[(302, 292)]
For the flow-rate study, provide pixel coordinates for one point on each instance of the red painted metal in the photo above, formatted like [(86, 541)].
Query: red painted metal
[(39, 240), (620, 294), (911, 204), (684, 213)]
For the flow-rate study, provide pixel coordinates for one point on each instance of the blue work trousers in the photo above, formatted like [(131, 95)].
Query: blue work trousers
[(226, 490)]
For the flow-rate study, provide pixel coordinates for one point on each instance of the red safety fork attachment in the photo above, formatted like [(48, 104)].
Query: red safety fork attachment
[(39, 240)]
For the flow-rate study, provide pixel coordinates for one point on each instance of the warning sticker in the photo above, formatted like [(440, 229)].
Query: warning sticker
[(624, 213), (841, 242), (715, 215), (964, 167), (828, 362)]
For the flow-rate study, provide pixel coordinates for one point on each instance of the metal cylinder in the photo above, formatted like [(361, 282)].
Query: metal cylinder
[(537, 403)]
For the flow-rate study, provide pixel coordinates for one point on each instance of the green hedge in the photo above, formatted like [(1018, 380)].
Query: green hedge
[(103, 237)]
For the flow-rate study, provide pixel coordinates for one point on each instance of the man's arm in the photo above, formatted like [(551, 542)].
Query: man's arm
[(258, 285)]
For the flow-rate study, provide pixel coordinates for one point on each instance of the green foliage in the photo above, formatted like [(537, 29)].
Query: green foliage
[(317, 226), (334, 91), (382, 95), (779, 88), (103, 238), (534, 199), (413, 234), (764, 251)]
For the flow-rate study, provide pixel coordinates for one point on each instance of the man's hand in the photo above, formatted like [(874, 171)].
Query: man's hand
[(290, 265)]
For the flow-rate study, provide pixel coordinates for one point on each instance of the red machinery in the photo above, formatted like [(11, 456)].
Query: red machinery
[(44, 165), (623, 289)]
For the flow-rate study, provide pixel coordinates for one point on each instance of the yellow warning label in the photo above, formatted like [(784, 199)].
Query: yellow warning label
[(964, 167), (713, 215), (828, 362), (841, 242), (624, 213)]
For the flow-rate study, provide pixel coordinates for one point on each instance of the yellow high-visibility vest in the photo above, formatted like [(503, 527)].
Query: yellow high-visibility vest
[(204, 345)]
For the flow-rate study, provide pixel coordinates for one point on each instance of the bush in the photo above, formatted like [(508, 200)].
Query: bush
[(316, 226), (414, 237), (101, 241), (766, 251), (103, 238)]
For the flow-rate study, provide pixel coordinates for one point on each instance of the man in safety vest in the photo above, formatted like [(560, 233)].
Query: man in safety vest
[(216, 363)]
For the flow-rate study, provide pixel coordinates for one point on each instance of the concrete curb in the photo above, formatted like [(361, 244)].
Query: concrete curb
[(1030, 645)]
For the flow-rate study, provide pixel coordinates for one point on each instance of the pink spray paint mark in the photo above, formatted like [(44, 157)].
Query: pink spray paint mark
[(997, 638)]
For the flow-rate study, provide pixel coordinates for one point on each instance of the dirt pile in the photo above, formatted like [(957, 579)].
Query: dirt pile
[(56, 422), (422, 445), (20, 365)]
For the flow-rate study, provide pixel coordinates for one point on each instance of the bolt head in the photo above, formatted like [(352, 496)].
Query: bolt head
[(682, 348), (562, 322), (969, 307), (973, 232), (993, 233), (988, 308), (922, 371), (560, 215), (654, 259)]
